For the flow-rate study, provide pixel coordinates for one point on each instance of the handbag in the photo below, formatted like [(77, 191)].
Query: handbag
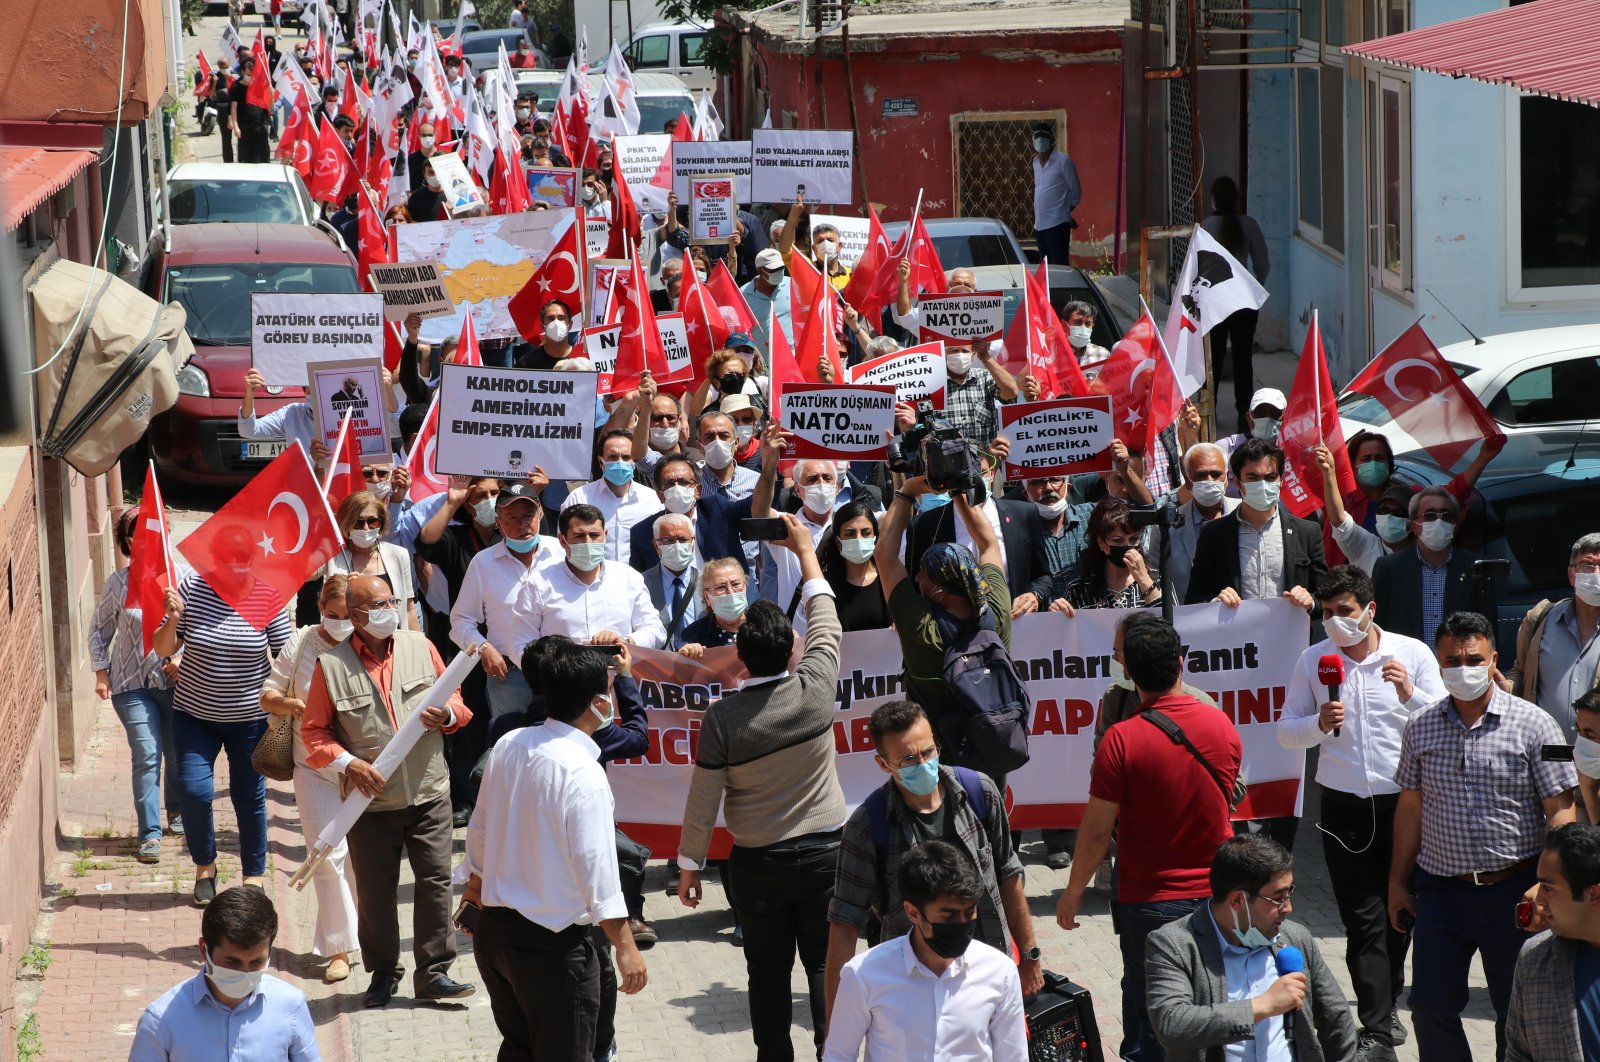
[(1165, 723), (274, 754)]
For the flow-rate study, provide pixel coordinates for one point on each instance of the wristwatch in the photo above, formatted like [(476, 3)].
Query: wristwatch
[(1032, 953)]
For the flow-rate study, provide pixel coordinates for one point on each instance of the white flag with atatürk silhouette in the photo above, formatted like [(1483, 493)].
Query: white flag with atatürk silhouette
[(1210, 288)]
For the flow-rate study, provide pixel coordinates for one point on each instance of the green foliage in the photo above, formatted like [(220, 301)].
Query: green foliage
[(37, 958), (721, 44), (191, 11), (29, 1047)]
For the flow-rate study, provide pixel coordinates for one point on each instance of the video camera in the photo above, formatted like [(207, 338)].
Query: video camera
[(935, 448)]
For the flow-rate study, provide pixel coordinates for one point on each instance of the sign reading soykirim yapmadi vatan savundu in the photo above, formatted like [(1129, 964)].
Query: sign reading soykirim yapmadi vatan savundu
[(503, 422)]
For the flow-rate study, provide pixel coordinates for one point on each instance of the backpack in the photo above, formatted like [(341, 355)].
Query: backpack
[(877, 809), (986, 697)]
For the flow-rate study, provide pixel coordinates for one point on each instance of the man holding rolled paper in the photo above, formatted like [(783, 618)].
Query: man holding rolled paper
[(362, 692)]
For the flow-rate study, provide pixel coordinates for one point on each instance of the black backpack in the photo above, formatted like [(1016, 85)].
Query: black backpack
[(989, 703)]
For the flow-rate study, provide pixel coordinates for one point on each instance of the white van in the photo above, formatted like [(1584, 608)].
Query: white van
[(671, 48)]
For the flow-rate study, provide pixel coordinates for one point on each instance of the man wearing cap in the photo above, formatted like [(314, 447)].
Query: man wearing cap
[(746, 418), (493, 608), (1056, 192), (768, 296), (1262, 418)]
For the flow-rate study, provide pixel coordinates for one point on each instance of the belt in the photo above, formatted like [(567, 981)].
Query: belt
[(1495, 877)]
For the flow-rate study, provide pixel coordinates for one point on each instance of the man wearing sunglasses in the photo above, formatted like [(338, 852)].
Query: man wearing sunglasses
[(1417, 588)]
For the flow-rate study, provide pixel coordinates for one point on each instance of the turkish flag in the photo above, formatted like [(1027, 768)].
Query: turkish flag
[(424, 480), (344, 473), (297, 144), (1426, 398), (703, 321), (785, 367), (819, 340), (1027, 348), (393, 346), (1139, 380), (1311, 419), (804, 281), (372, 239), (624, 237), (259, 92), (350, 98), (467, 351), (927, 272), (662, 178), (333, 168), (639, 347), (150, 568), (886, 281), (280, 525), (559, 278), (203, 89), (508, 187), (862, 290), (726, 294)]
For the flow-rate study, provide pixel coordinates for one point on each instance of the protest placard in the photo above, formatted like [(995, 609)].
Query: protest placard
[(916, 373), (675, 342), (484, 261), (411, 287), (596, 236), (852, 235), (461, 193), (694, 158), (600, 346), (289, 330), (818, 161), (968, 318), (556, 186), (502, 422), (849, 422), (639, 157), (1061, 437), (712, 211), (602, 275), (335, 388)]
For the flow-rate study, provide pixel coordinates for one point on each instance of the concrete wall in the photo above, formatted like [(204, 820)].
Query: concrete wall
[(27, 734), (72, 54)]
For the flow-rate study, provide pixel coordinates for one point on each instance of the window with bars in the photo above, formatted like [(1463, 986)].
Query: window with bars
[(994, 165)]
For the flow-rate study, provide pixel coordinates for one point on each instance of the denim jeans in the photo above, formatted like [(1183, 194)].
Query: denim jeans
[(1136, 921), (146, 715), (509, 694), (199, 741)]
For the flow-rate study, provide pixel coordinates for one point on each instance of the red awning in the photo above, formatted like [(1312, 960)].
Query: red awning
[(1549, 48), (29, 176)]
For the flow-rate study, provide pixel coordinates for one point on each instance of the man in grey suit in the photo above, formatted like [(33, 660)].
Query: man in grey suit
[(674, 583), (1555, 993), (1212, 979)]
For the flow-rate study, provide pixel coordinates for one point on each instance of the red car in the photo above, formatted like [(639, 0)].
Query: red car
[(211, 270)]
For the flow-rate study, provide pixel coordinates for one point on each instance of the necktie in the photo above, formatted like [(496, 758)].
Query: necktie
[(677, 603)]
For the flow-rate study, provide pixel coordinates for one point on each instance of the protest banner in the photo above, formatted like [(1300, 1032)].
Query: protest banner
[(916, 373), (556, 186), (816, 161), (602, 275), (639, 157), (843, 421), (461, 193), (675, 342), (712, 210), (967, 318), (1244, 658), (484, 261), (596, 236), (852, 235), (694, 158), (502, 422), (335, 388), (1061, 437), (289, 330), (600, 346), (411, 287)]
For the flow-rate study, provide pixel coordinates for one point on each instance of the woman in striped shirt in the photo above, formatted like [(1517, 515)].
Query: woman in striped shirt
[(217, 701)]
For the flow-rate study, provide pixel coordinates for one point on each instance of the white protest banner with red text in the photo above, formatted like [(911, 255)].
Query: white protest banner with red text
[(1060, 437), (1242, 657), (916, 373), (846, 422), (712, 210), (966, 318), (675, 344)]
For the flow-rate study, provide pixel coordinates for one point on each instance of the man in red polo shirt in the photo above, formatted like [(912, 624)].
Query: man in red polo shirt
[(1169, 810)]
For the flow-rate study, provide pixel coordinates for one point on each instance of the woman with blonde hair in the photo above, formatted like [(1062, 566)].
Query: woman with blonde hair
[(364, 521)]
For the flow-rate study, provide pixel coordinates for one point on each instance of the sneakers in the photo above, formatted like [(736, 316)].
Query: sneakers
[(1373, 1048), (1102, 878), (1397, 1032), (150, 851), (175, 825)]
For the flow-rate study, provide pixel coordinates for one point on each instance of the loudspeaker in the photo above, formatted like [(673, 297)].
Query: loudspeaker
[(1061, 1025)]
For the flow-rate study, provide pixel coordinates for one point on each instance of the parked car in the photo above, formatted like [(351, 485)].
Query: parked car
[(447, 26), (989, 248), (1530, 382), (1538, 497), (270, 192), (211, 271), (481, 48), (661, 96), (675, 48)]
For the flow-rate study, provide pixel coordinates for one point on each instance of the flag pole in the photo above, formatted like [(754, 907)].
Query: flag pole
[(1160, 339), (1316, 372), (161, 515), (338, 447)]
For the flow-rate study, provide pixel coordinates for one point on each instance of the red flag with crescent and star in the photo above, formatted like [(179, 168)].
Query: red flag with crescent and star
[(150, 560), (298, 145), (725, 293), (862, 290), (702, 319), (1426, 398), (1138, 377), (344, 474), (333, 167), (425, 482), (558, 278), (1311, 419), (639, 347), (279, 527)]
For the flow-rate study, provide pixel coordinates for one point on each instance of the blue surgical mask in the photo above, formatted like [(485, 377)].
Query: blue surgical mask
[(1250, 937), (522, 545), (619, 472), (728, 607), (920, 778), (929, 502), (1392, 528), (1261, 495), (857, 550)]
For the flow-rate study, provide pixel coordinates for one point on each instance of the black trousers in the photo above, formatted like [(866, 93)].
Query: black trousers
[(227, 134), (1238, 333), (253, 144), (1055, 243), (1358, 857), (781, 893), (544, 987), (605, 1024)]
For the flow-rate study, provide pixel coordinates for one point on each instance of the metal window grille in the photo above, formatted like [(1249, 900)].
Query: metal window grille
[(994, 165)]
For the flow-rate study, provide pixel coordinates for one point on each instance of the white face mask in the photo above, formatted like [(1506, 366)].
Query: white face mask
[(773, 276), (1261, 495), (1078, 335), (857, 550), (1265, 428), (425, 141), (383, 622), (1587, 587), (235, 984), (608, 716), (382, 490), (338, 629), (1465, 683), (1051, 510), (1437, 534), (433, 183), (1586, 756), (1119, 675), (1208, 492), (1345, 632), (483, 512), (676, 555), (365, 538), (589, 193), (744, 433), (663, 439), (719, 454), (1392, 528), (556, 330), (820, 497), (827, 249), (702, 274), (522, 113), (678, 499), (959, 362), (586, 556)]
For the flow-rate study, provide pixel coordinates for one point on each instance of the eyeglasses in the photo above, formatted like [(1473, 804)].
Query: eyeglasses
[(723, 589), (1430, 517), (1280, 903), (376, 473), (1586, 569), (924, 756), (368, 522)]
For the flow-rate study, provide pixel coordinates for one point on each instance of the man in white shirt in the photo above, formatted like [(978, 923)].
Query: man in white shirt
[(590, 599), (1387, 677), (541, 861), (497, 593), (1056, 192), (935, 992), (621, 499)]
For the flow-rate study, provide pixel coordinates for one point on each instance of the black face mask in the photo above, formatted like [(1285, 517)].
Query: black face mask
[(730, 383), (949, 940), (1119, 555)]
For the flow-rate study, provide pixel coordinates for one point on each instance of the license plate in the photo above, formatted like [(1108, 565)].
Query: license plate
[(262, 451)]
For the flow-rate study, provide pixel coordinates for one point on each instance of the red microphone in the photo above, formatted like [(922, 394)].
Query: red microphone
[(1330, 672)]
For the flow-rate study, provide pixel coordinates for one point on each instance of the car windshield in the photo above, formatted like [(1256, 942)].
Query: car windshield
[(656, 111), (974, 249), (217, 297), (272, 202)]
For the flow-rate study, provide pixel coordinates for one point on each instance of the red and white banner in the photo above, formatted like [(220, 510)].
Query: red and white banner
[(1243, 657), (1060, 437), (846, 422), (966, 318), (916, 373)]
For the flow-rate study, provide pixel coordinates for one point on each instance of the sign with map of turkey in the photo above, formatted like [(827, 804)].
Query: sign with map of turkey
[(483, 262)]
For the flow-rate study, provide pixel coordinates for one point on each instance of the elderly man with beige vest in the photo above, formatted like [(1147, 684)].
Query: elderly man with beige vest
[(362, 691)]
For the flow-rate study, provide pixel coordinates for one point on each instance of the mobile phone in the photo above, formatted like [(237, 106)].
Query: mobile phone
[(609, 650), (1407, 921), (1556, 753), (467, 916), (1524, 914), (763, 529)]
